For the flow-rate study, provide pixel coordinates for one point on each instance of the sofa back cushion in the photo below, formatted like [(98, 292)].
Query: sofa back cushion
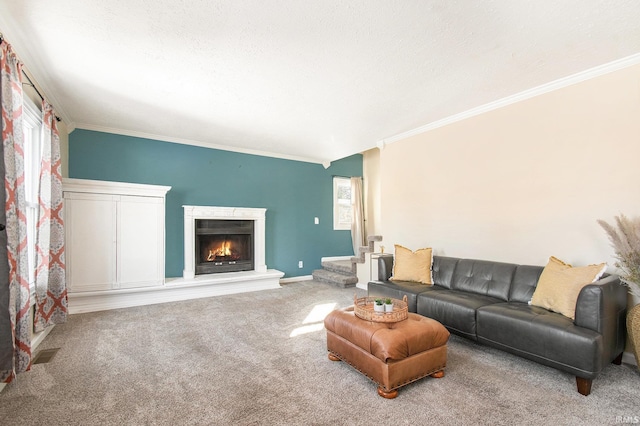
[(443, 268), (524, 283), (484, 277)]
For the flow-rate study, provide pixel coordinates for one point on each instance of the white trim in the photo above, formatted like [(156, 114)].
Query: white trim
[(527, 94), (39, 338), (115, 188), (175, 289), (184, 141), (629, 358), (334, 258), (296, 279)]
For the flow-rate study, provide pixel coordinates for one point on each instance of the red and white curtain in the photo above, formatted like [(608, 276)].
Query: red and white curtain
[(15, 341), (51, 293), (51, 289)]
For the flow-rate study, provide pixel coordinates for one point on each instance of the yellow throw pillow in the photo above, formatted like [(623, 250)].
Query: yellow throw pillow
[(559, 285), (412, 266)]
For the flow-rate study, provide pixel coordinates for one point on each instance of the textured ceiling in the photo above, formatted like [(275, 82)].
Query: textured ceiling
[(310, 80)]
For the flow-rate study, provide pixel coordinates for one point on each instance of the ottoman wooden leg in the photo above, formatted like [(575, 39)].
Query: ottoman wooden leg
[(389, 395), (438, 374), (332, 357)]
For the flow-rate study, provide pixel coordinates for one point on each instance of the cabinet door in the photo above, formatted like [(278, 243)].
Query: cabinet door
[(90, 224), (140, 241)]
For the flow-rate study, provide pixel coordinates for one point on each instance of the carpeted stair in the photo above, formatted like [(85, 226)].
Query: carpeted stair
[(342, 273)]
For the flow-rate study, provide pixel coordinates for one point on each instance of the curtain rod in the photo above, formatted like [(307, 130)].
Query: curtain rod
[(30, 83)]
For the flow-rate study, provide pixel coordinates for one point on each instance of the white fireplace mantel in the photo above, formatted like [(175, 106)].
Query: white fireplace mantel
[(192, 213)]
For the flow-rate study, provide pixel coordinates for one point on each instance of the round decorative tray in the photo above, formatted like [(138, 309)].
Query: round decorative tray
[(363, 308)]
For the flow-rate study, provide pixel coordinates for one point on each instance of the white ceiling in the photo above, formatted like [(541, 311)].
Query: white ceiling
[(309, 80)]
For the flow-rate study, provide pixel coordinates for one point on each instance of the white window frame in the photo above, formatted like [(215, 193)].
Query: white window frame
[(339, 223), (32, 128)]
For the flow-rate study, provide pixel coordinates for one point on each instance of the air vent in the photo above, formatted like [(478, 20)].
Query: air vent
[(45, 356)]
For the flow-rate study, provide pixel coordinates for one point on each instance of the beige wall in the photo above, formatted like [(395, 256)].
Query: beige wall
[(64, 147), (520, 183), (371, 188)]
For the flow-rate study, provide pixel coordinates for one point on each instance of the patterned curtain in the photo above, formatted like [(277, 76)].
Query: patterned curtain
[(51, 289), (17, 284)]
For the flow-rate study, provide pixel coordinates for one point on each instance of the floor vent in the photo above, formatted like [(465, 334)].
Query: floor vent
[(45, 356)]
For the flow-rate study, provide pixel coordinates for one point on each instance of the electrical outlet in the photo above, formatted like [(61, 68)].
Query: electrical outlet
[(300, 264), (316, 220)]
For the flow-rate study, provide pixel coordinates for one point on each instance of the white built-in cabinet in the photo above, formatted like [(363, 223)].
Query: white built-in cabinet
[(114, 235)]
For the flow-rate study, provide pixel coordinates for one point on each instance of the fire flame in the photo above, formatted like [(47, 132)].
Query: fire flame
[(222, 251)]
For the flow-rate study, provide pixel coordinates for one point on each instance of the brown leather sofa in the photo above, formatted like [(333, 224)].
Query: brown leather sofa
[(488, 302)]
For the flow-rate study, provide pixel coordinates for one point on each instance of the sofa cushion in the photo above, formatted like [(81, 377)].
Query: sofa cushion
[(456, 310), (560, 284), (524, 283), (443, 269), (483, 277), (541, 335), (412, 265), (398, 289)]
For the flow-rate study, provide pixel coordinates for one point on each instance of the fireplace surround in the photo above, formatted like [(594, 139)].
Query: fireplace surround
[(234, 216)]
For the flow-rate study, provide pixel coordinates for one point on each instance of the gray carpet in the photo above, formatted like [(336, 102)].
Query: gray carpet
[(245, 360)]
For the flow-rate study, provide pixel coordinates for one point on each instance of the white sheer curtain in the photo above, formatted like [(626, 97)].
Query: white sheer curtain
[(357, 215)]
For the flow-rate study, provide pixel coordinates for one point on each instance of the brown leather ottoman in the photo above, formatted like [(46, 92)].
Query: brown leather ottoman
[(390, 354)]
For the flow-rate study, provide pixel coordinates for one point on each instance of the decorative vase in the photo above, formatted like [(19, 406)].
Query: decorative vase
[(378, 308), (633, 329), (388, 307)]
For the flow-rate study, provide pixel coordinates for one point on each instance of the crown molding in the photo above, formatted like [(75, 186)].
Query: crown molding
[(518, 97)]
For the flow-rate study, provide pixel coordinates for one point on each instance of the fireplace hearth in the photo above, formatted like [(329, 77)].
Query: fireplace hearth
[(223, 246)]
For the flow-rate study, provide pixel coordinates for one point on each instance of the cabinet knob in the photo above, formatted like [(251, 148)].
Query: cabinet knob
[(2, 227)]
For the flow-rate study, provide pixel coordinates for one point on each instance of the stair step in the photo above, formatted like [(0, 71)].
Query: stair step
[(339, 279), (340, 266)]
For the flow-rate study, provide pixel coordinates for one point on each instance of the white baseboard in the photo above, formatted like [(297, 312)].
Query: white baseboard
[(175, 289), (362, 286), (629, 358), (333, 258), (40, 337), (296, 279)]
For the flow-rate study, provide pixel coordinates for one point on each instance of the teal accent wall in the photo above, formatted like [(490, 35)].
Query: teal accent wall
[(293, 192)]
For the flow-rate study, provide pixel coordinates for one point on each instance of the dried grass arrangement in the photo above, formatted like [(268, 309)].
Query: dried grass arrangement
[(625, 239)]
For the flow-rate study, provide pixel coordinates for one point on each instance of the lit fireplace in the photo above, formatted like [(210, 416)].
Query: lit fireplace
[(194, 235), (224, 245)]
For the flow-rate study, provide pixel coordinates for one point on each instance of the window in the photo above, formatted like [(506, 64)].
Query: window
[(341, 203), (32, 127)]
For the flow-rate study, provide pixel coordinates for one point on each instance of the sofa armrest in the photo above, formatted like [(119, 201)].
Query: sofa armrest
[(385, 267), (602, 307)]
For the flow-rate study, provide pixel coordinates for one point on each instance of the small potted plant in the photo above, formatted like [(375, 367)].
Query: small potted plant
[(378, 306), (388, 305)]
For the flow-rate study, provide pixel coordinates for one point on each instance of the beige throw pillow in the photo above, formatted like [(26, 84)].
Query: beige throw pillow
[(412, 266), (559, 285)]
